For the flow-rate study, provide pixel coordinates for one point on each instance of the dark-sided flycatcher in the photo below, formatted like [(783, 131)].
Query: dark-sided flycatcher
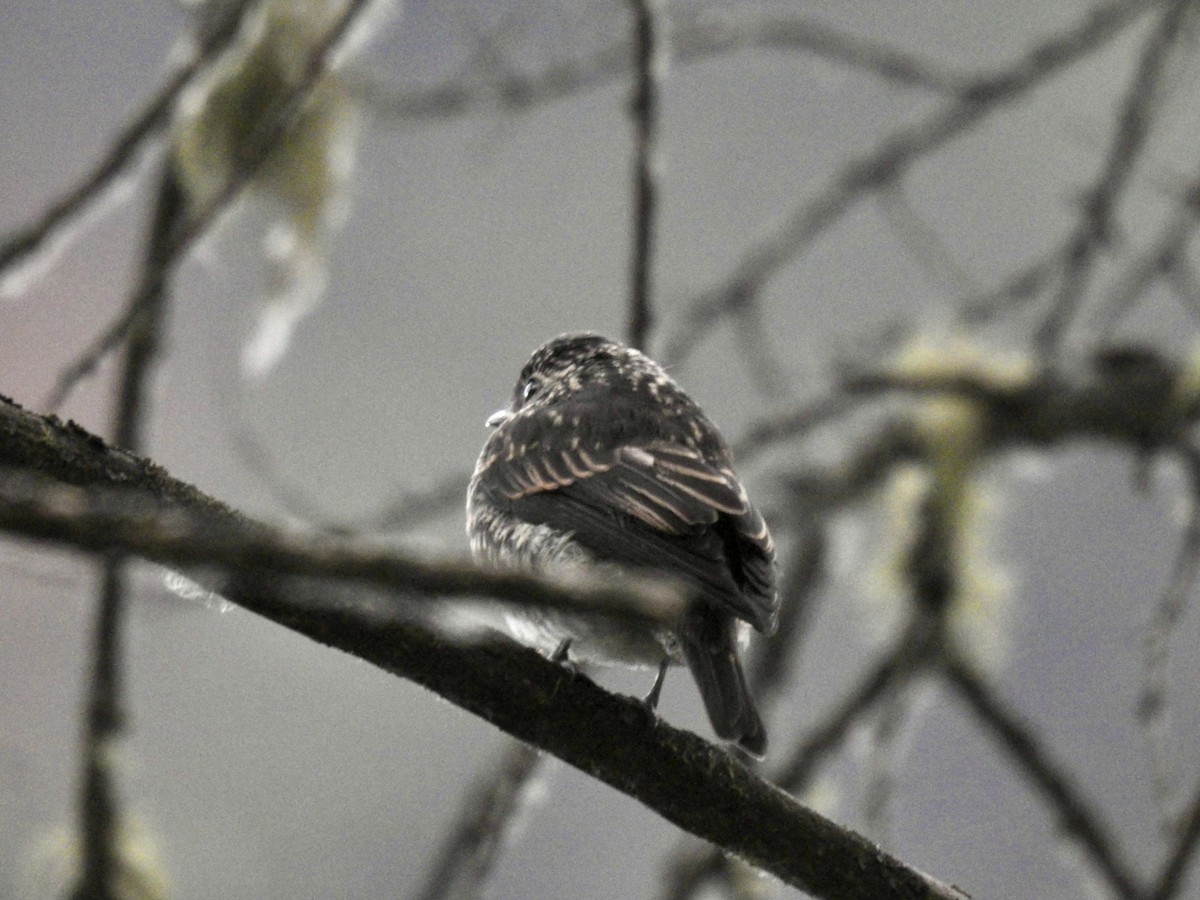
[(601, 459)]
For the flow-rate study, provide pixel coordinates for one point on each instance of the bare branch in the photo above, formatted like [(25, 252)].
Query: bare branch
[(148, 308), (717, 30), (1153, 709), (883, 762), (895, 667), (471, 848), (837, 486), (753, 336), (1124, 394), (192, 224), (99, 808), (64, 488), (1095, 227), (1017, 290), (889, 160), (693, 39), (19, 245), (649, 68), (89, 360), (99, 812), (1018, 740), (925, 245), (135, 507), (791, 422), (1166, 256), (1184, 851), (414, 508)]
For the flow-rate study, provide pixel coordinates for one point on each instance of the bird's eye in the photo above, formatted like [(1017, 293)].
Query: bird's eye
[(531, 388)]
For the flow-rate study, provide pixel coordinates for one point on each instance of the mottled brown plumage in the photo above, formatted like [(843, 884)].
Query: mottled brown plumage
[(602, 459)]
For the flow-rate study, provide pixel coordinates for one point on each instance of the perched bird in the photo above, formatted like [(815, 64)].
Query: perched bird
[(602, 460)]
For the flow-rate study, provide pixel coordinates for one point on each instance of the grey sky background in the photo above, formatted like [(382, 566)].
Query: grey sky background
[(265, 766)]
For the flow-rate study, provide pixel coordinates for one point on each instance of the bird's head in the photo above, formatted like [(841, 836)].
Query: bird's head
[(574, 365)]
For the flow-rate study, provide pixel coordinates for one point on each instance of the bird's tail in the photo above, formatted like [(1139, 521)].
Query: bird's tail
[(710, 649)]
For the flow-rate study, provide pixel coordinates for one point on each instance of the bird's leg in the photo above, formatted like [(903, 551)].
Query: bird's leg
[(560, 652), (650, 701), (560, 656)]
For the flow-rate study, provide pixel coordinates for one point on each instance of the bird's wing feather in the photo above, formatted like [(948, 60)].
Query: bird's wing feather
[(611, 534), (658, 505)]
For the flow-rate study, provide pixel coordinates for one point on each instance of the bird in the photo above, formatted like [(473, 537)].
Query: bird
[(601, 461)]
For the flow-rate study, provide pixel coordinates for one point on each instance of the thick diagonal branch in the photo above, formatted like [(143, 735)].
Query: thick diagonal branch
[(688, 781)]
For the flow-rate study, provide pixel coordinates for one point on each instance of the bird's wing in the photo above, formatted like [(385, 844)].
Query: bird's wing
[(658, 505)]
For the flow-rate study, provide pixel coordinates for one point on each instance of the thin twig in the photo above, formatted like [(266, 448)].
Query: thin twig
[(883, 761), (693, 39), (251, 154), (406, 511), (100, 813), (20, 244), (1015, 291), (1078, 820), (899, 664), (1166, 256), (649, 68), (1094, 229), (1171, 878), (889, 160), (976, 307), (471, 848), (89, 360), (725, 30), (790, 423), (293, 497), (413, 508), (99, 809), (1185, 282), (927, 248), (1153, 704), (767, 372)]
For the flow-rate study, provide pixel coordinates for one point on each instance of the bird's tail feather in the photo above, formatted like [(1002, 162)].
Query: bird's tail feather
[(710, 649)]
